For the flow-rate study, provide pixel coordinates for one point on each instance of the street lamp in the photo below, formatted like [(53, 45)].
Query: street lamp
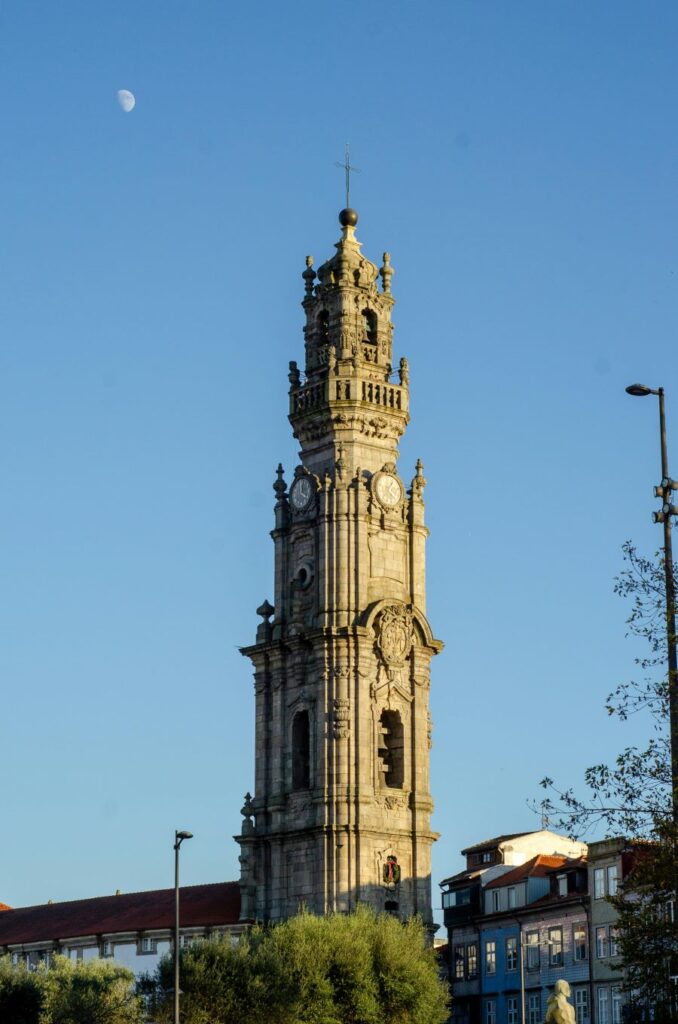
[(664, 491), (178, 840)]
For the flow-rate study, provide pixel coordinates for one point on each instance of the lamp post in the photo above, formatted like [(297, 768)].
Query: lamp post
[(178, 840), (664, 491)]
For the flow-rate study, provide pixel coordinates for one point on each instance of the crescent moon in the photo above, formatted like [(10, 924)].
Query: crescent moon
[(126, 100)]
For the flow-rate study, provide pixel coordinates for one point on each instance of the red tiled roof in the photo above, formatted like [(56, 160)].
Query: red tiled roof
[(201, 906), (539, 866), (552, 899), (574, 862), (495, 842)]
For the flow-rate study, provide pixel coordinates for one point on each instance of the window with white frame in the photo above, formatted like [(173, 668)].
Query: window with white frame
[(534, 1008), (75, 952), (486, 857), (148, 945), (106, 949), (612, 940), (616, 1006), (459, 963), (612, 880), (512, 953), (512, 1010), (603, 1005), (581, 1005), (490, 957), (599, 883), (532, 947), (579, 942), (511, 895), (491, 1011), (606, 941), (555, 947), (562, 885), (471, 960)]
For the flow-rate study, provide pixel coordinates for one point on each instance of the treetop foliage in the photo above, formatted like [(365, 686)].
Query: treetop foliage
[(631, 797), (360, 968), (87, 992)]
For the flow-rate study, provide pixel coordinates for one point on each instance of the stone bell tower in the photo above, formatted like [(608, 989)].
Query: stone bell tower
[(341, 808)]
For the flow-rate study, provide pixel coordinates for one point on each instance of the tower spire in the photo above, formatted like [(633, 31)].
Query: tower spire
[(347, 168)]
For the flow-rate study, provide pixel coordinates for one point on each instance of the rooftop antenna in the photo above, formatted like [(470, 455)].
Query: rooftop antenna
[(347, 167)]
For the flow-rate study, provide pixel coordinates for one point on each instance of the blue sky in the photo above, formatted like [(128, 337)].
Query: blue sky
[(519, 161)]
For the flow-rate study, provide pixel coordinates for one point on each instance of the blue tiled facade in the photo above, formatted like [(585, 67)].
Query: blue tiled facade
[(500, 959), (555, 945)]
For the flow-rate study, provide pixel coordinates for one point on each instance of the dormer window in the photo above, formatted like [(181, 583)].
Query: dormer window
[(370, 326)]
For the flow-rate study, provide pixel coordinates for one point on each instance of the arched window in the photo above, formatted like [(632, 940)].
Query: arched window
[(370, 326), (324, 325), (391, 751), (301, 751)]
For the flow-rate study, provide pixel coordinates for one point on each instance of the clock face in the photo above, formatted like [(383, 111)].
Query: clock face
[(301, 493), (388, 490)]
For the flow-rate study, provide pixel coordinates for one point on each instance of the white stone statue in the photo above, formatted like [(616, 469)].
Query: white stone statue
[(558, 1010)]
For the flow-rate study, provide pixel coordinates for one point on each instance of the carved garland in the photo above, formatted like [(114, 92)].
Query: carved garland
[(341, 714)]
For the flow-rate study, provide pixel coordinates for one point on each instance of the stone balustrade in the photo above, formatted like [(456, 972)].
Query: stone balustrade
[(312, 396)]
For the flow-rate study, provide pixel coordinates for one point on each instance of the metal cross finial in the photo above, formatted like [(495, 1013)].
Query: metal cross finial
[(348, 167)]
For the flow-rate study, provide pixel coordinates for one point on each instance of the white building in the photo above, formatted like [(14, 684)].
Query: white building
[(135, 929)]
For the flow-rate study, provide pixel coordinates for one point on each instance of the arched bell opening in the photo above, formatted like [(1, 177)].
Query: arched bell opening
[(301, 751), (323, 326), (369, 326), (391, 752)]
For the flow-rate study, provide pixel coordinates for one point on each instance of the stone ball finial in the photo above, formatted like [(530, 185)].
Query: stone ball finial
[(348, 218)]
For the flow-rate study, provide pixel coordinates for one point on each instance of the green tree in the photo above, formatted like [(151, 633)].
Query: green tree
[(21, 994), (633, 798), (360, 968), (647, 930), (89, 992)]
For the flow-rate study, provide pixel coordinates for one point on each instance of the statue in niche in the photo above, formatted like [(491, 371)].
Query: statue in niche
[(391, 871)]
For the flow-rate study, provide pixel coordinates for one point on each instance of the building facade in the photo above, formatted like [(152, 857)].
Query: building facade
[(342, 805), (487, 908), (134, 929), (609, 861)]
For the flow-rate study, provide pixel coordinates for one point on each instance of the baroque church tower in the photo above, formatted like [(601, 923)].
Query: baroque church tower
[(341, 808)]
